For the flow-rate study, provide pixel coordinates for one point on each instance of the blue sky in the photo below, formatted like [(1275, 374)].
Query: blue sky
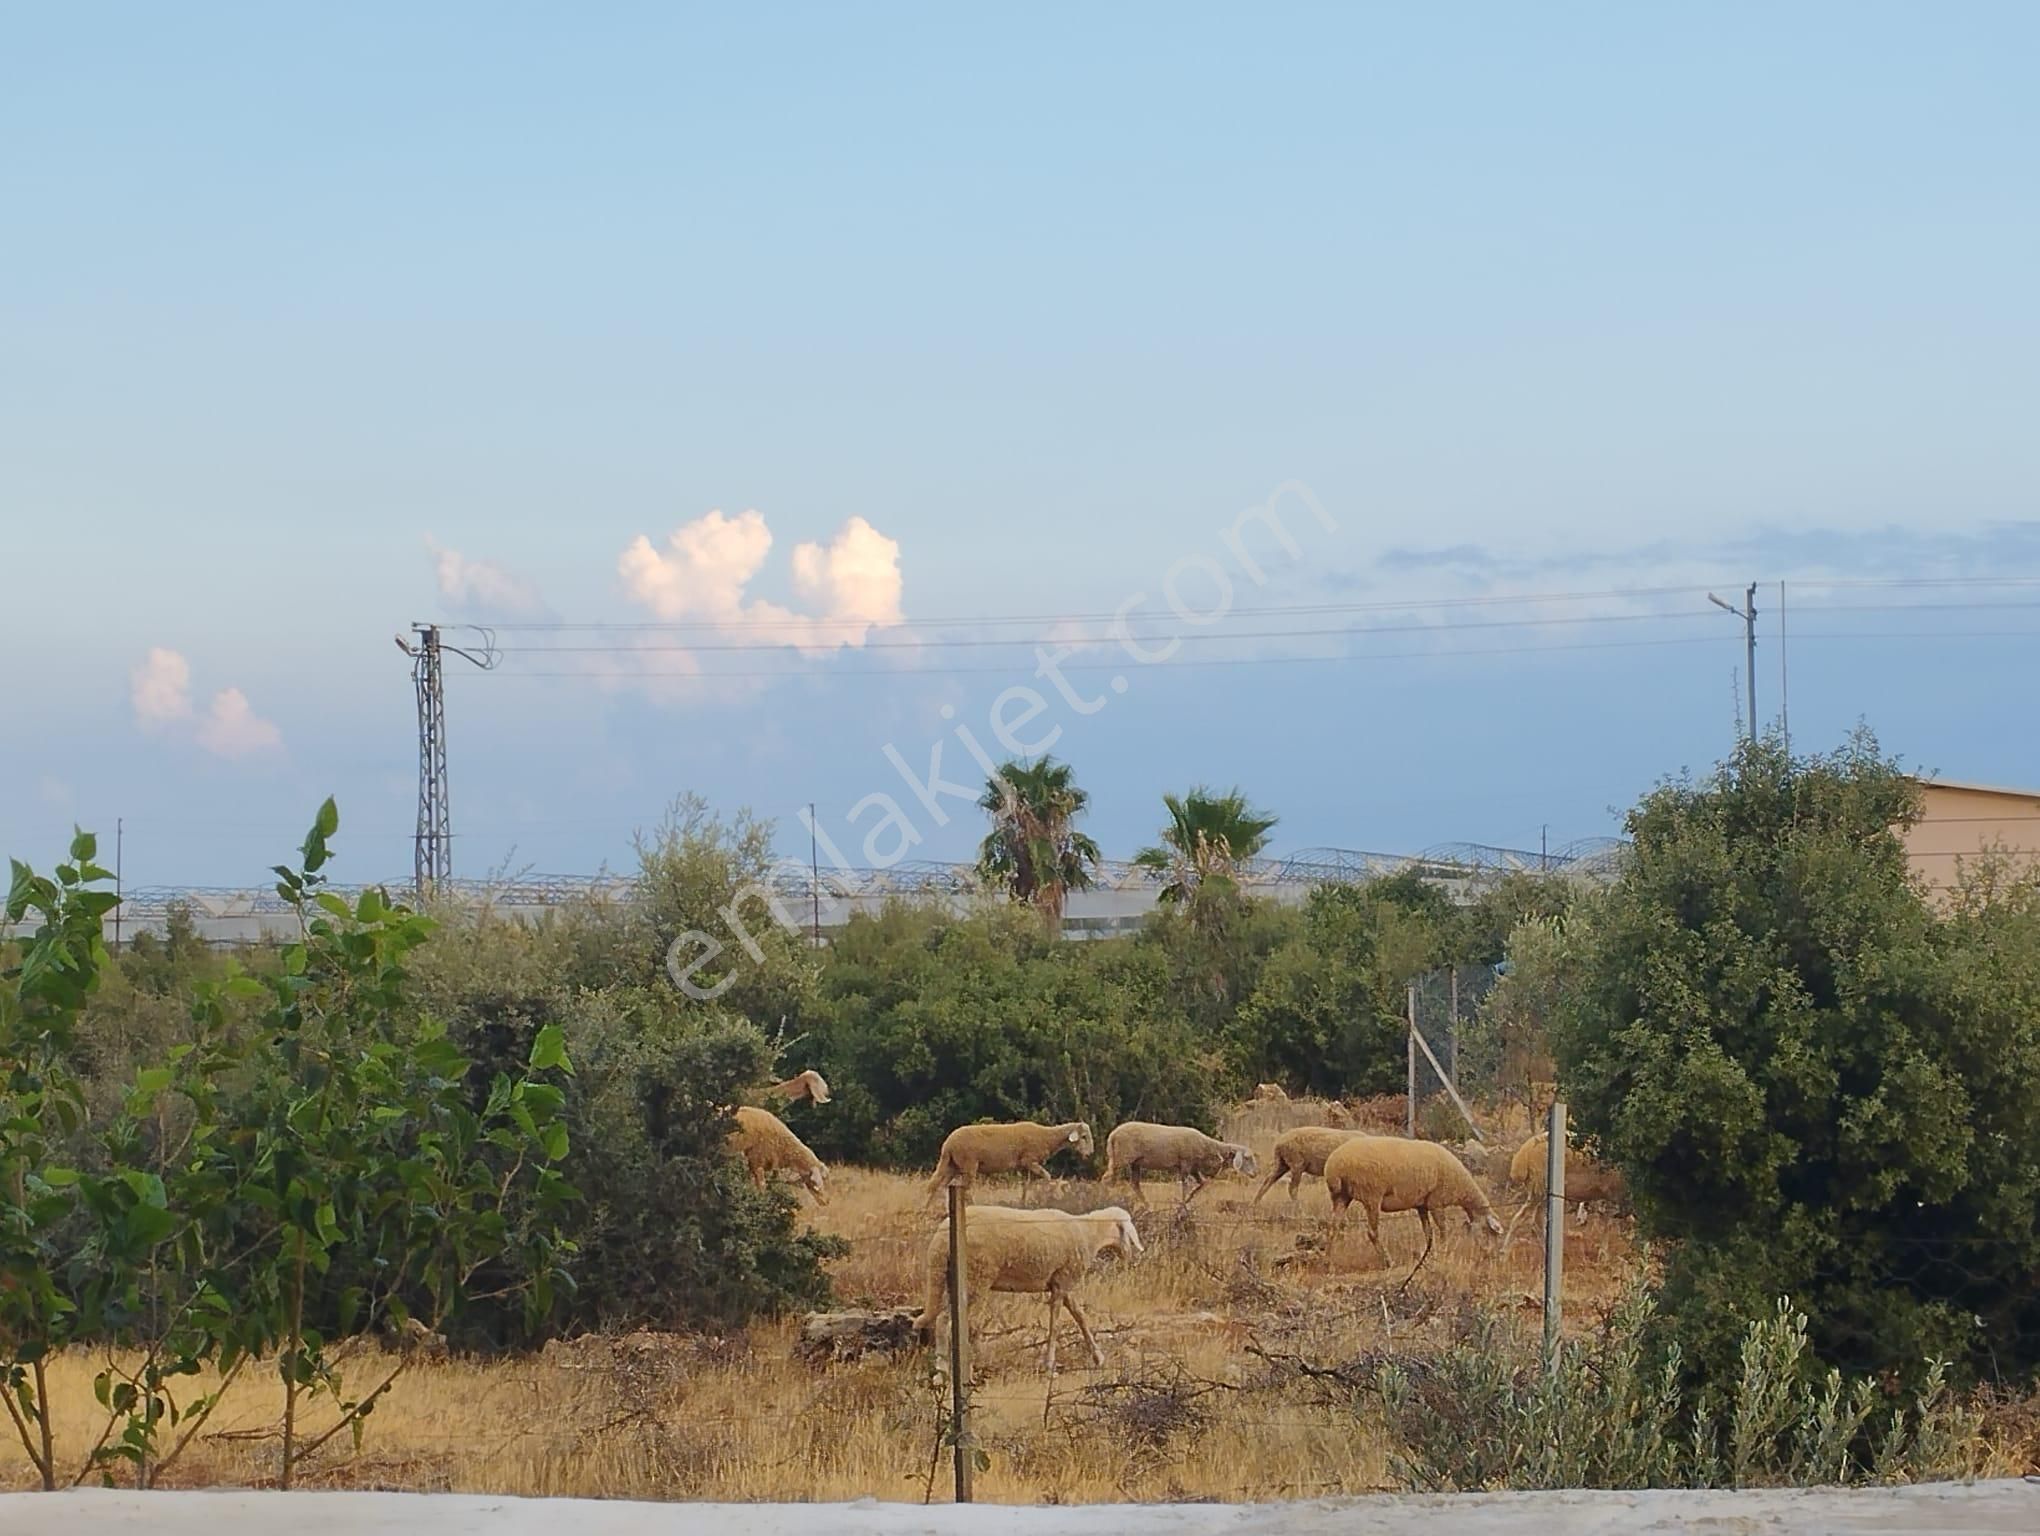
[(1534, 301)]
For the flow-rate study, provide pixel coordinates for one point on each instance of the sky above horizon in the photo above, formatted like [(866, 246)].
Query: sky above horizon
[(790, 374)]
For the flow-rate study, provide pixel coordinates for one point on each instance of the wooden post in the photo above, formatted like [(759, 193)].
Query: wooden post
[(1554, 1229), (1413, 1061), (959, 1348)]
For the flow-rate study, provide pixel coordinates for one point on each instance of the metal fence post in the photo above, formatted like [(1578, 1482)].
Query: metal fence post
[(1554, 1229), (959, 1349), (1452, 1038), (1412, 1043)]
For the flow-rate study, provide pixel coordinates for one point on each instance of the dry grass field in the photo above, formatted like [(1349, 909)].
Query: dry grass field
[(1186, 1406)]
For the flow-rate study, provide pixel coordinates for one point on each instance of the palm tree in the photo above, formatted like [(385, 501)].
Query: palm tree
[(1208, 837), (1034, 849)]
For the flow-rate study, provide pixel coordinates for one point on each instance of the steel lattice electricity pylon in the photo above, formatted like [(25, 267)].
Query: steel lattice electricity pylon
[(433, 861)]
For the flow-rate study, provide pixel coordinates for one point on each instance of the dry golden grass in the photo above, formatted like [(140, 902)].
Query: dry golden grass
[(1183, 1407)]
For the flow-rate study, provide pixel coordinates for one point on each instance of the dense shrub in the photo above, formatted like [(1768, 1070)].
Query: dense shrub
[(926, 1022), (1818, 1083), (1326, 1016)]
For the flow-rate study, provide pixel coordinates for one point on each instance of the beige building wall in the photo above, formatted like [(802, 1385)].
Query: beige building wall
[(1959, 821)]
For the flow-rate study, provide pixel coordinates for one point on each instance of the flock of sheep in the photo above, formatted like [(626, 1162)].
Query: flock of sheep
[(1047, 1252)]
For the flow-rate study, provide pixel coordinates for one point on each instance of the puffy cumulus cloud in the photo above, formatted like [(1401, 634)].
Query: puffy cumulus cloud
[(482, 586), (160, 689), (705, 567), (854, 580), (231, 728)]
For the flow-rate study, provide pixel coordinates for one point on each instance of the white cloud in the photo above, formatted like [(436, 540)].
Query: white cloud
[(712, 560), (706, 565), (482, 585), (161, 689), (231, 728), (857, 577)]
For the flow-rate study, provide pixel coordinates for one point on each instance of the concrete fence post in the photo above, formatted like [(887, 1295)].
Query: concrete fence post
[(959, 1348), (1554, 1230)]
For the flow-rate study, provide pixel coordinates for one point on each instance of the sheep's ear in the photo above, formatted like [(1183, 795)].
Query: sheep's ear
[(1073, 1136)]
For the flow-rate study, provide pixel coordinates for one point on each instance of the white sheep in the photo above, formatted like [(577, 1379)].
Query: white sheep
[(970, 1150), (1270, 1093), (767, 1145), (1303, 1152), (1026, 1252), (1586, 1179), (1141, 1146), (1388, 1173), (802, 1085)]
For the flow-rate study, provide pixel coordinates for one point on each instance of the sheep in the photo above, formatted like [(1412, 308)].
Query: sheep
[(1303, 1151), (1270, 1093), (1387, 1173), (765, 1144), (802, 1085), (1028, 1252), (1140, 1146), (970, 1150), (1586, 1180), (1337, 1115)]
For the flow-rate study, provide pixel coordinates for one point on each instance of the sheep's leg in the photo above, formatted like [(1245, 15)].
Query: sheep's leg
[(1295, 1183), (1083, 1327), (1430, 1235), (1196, 1189), (1269, 1183), (1133, 1178), (1374, 1231)]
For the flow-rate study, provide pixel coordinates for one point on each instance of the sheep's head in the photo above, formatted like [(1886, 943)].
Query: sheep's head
[(1493, 1225), (817, 1090), (813, 1179), (1079, 1136), (1336, 1114), (1128, 1236), (1269, 1091), (1243, 1160)]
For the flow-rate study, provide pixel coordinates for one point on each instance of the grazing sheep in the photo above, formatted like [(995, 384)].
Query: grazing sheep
[(1303, 1151), (970, 1150), (802, 1085), (1027, 1252), (1337, 1115), (766, 1145), (1270, 1093), (1140, 1146), (1387, 1173), (1586, 1180)]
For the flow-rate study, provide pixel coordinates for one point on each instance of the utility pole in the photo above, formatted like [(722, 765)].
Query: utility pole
[(433, 847), (1784, 711), (1748, 614), (119, 831), (814, 875)]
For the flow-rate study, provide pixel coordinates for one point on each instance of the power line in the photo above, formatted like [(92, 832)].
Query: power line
[(1207, 636), (1201, 663)]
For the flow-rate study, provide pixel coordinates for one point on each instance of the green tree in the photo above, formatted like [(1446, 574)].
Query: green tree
[(1818, 1083), (1034, 851), (1326, 1013), (1207, 838)]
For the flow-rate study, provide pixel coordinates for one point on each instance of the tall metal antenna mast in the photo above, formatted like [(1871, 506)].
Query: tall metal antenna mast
[(433, 857)]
